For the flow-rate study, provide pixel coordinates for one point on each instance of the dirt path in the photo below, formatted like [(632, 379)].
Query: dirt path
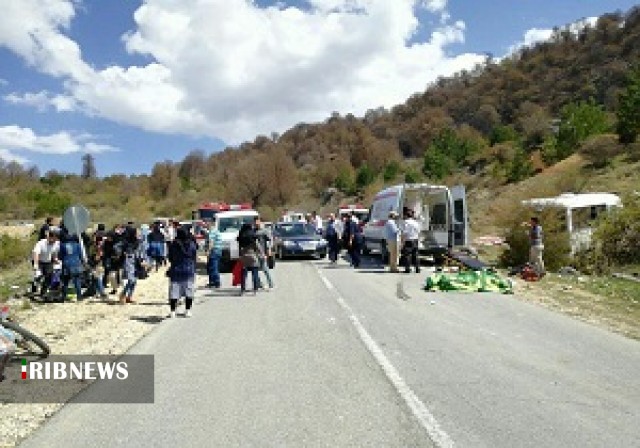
[(92, 326)]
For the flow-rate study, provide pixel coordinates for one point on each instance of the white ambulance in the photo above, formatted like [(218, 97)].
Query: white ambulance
[(228, 223), (358, 210), (440, 210)]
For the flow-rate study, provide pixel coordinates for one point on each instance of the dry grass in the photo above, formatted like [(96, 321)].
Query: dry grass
[(610, 303)]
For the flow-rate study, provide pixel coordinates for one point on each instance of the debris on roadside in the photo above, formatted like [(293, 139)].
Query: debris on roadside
[(470, 281)]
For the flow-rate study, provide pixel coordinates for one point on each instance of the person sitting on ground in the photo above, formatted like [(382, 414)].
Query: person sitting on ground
[(182, 271)]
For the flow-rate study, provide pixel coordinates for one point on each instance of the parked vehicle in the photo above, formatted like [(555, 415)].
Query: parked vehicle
[(228, 223), (440, 210), (297, 239), (580, 211), (207, 210), (196, 228), (358, 210)]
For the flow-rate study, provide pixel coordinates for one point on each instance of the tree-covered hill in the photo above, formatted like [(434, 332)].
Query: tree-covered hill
[(491, 127)]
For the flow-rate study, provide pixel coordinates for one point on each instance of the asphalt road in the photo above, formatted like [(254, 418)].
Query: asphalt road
[(335, 357)]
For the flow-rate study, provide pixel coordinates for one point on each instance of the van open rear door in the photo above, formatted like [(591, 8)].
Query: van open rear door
[(460, 216)]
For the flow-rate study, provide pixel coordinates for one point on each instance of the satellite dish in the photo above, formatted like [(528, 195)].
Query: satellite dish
[(76, 219)]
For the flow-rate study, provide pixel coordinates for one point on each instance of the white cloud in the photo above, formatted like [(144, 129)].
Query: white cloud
[(43, 100), (228, 69), (435, 5), (8, 156), (537, 35), (14, 138)]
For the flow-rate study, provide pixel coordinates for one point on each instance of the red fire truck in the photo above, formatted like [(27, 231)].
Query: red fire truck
[(208, 210)]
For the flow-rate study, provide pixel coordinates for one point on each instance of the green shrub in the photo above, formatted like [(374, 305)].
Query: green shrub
[(556, 241), (364, 176), (616, 238), (13, 250), (391, 171), (411, 176)]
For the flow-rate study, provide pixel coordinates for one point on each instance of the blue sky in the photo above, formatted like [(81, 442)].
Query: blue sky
[(137, 82)]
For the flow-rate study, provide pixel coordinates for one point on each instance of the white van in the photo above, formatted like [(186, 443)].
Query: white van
[(228, 224), (440, 210)]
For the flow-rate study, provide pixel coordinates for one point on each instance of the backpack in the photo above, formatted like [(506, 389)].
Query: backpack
[(118, 249)]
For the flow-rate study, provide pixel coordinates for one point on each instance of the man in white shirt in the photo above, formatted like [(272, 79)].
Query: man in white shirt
[(318, 222), (45, 253), (391, 233), (286, 217), (410, 238)]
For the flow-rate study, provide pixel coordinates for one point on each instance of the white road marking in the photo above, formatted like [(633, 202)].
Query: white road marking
[(417, 407), (327, 283)]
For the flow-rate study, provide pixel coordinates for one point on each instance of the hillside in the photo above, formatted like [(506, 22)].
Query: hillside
[(544, 120)]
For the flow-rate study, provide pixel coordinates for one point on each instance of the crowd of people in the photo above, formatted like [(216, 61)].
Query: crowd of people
[(89, 261), (120, 256), (346, 232)]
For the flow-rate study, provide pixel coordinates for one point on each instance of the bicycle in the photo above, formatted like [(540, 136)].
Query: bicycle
[(28, 343)]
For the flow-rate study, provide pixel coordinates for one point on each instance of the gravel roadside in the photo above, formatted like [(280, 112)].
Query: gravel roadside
[(90, 327)]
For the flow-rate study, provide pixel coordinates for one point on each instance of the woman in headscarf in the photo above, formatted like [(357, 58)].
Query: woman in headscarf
[(182, 271), (247, 242), (131, 247), (156, 243)]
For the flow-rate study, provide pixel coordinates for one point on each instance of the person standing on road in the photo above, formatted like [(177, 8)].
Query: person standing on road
[(44, 229), (392, 233), (72, 264), (156, 243), (113, 257), (45, 253), (536, 245), (182, 271), (410, 237), (347, 234), (248, 256), (215, 254), (331, 235), (356, 242), (264, 251), (131, 249), (317, 221)]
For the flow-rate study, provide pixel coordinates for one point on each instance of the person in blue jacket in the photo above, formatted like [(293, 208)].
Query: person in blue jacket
[(72, 263), (182, 271)]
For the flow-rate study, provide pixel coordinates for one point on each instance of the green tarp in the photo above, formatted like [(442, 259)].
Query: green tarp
[(471, 281)]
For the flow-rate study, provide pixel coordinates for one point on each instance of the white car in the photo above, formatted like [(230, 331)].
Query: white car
[(228, 224)]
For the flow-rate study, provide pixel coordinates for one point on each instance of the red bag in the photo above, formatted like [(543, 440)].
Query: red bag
[(236, 274)]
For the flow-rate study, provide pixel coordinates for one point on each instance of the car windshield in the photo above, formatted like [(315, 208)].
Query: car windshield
[(295, 229), (233, 224)]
